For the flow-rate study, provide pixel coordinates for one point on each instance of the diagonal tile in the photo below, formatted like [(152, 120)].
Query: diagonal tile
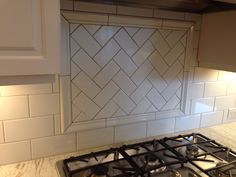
[(74, 91), (74, 70), (126, 42), (158, 62), (131, 30), (156, 99), (142, 35), (175, 52), (92, 28), (73, 27), (74, 47), (142, 107), (174, 37), (171, 104), (157, 81), (105, 33), (107, 52), (171, 89), (173, 72), (165, 32), (108, 110), (86, 41)]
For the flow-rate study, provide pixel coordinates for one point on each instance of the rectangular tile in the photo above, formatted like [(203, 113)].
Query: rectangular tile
[(171, 103), (197, 90), (231, 88), (124, 82), (15, 152), (157, 100), (53, 145), (142, 35), (26, 89), (204, 74), (157, 81), (106, 74), (106, 94), (175, 52), (210, 119), (88, 139), (215, 89), (108, 110), (18, 103), (22, 129), (168, 14), (171, 89), (44, 104), (173, 71), (87, 85), (134, 11), (158, 62), (202, 105), (130, 132), (187, 123), (162, 126), (142, 107), (225, 102)]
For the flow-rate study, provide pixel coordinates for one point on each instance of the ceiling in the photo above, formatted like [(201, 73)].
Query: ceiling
[(197, 6)]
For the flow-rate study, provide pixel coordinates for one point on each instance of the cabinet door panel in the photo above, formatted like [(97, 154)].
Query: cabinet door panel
[(30, 37)]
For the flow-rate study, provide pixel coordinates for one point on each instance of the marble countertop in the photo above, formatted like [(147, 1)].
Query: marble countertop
[(46, 167)]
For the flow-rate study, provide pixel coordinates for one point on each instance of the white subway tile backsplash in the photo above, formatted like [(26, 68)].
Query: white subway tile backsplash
[(1, 132), (202, 105), (205, 75), (130, 132), (156, 99), (162, 126), (215, 89), (168, 14), (157, 81), (225, 102), (44, 104), (197, 90), (210, 119), (95, 138), (142, 107), (231, 88), (14, 107), (53, 145), (108, 110), (187, 123), (15, 152), (142, 35), (134, 11), (158, 62), (23, 129)]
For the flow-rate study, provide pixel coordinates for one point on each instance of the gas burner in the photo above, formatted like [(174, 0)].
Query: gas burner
[(175, 173), (192, 150), (99, 171), (152, 162)]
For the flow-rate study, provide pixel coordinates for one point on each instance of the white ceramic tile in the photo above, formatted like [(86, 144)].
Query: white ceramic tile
[(75, 91), (229, 115), (126, 42), (142, 106), (74, 47), (210, 119), (86, 105), (124, 101), (106, 94), (18, 103), (1, 132), (107, 52), (157, 81), (134, 11), (195, 90), (156, 99), (124, 61), (168, 14), (84, 39), (231, 88), (86, 63), (141, 91), (22, 129), (175, 52), (130, 132), (106, 74), (151, 109), (15, 152), (74, 70), (44, 104), (171, 103), (158, 62), (142, 72), (94, 7), (158, 127), (160, 43), (174, 37), (108, 110), (105, 33), (171, 89), (53, 145), (173, 71), (84, 83), (204, 74), (142, 35), (88, 125), (119, 113), (197, 18), (202, 105), (187, 123), (169, 114), (131, 30), (165, 32), (73, 27), (215, 89), (225, 102), (142, 54), (26, 89), (92, 28), (95, 138), (226, 75), (124, 82)]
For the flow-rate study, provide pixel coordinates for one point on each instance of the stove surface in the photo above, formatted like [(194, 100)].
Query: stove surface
[(189, 155)]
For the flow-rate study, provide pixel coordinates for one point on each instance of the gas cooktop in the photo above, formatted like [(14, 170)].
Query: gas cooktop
[(189, 155)]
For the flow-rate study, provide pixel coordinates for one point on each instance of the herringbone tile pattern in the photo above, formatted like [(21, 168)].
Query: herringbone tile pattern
[(118, 71)]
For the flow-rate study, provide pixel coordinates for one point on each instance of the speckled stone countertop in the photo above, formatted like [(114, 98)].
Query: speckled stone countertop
[(46, 167)]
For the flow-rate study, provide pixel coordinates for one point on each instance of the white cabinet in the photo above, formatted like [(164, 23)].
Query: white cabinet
[(217, 48), (29, 37)]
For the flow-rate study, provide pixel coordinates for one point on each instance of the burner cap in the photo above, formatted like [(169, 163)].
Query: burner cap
[(151, 160), (175, 173), (191, 150), (99, 171)]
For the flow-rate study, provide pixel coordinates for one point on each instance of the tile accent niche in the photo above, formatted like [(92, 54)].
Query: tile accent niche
[(122, 74)]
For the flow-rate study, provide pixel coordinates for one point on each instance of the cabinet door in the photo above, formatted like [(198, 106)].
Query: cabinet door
[(29, 37), (217, 48)]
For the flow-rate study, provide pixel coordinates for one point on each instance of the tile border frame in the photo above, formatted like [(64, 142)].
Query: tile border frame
[(120, 20)]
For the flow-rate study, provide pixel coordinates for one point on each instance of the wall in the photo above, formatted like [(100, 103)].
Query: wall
[(30, 121)]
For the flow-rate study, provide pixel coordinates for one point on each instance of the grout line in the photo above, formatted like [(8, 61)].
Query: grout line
[(3, 132)]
